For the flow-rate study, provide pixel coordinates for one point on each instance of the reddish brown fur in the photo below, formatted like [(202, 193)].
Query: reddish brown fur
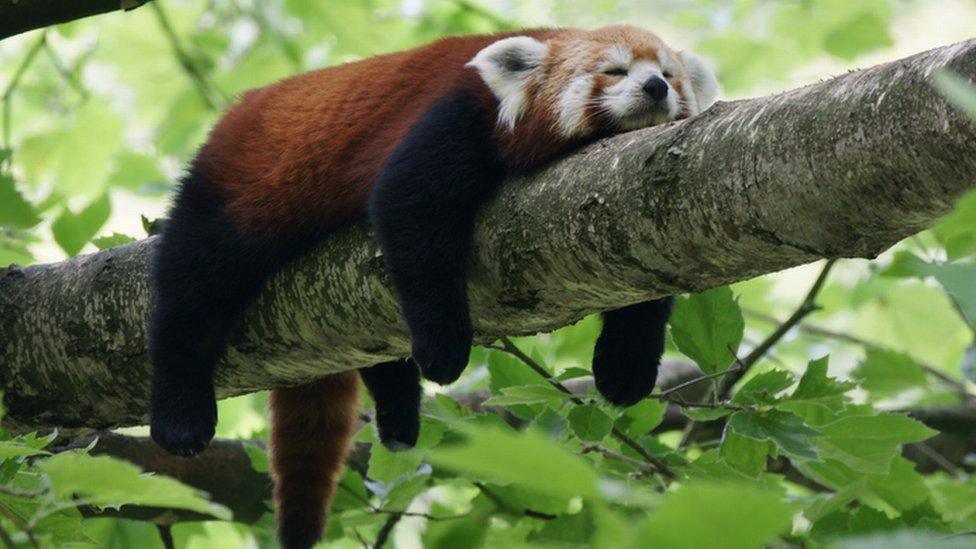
[(301, 155), (311, 430)]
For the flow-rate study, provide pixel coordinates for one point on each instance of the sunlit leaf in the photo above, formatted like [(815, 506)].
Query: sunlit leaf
[(72, 231), (528, 459), (590, 423), (706, 325), (786, 430), (697, 515), (108, 482)]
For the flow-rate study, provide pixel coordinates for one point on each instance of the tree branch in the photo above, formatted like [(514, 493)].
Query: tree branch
[(17, 16), (846, 167)]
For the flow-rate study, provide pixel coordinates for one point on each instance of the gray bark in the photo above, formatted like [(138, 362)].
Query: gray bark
[(843, 168), (17, 16)]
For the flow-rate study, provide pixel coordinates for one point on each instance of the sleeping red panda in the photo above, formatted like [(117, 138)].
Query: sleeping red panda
[(416, 141)]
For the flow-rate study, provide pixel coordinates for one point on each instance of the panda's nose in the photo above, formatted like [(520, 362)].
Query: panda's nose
[(656, 87)]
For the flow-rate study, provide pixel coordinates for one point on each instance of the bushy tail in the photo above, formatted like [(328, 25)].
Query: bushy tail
[(311, 430)]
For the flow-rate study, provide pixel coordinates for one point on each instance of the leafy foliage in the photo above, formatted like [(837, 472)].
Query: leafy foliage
[(99, 116)]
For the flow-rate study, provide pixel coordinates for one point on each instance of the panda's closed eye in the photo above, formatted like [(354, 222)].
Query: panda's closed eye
[(615, 71), (667, 74)]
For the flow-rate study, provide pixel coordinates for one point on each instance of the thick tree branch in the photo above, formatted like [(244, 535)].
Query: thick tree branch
[(17, 16), (846, 167)]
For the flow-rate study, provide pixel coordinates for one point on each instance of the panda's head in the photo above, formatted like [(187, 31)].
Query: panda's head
[(615, 78)]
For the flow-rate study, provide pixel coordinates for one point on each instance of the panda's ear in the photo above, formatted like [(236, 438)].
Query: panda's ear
[(506, 65), (703, 80)]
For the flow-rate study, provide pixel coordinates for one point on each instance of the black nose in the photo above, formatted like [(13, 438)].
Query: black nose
[(656, 87)]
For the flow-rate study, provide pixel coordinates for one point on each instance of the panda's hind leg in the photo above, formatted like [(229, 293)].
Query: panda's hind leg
[(395, 388)]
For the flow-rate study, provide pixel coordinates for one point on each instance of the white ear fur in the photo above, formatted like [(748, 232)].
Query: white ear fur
[(703, 80), (506, 66)]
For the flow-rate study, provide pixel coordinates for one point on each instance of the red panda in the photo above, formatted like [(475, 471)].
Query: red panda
[(415, 141)]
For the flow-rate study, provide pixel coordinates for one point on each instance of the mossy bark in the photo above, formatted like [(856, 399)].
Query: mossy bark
[(843, 168)]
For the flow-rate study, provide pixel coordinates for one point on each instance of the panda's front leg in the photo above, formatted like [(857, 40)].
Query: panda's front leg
[(423, 209), (628, 352)]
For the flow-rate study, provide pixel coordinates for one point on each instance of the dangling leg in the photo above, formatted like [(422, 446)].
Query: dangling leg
[(628, 351), (395, 388), (423, 209), (204, 273)]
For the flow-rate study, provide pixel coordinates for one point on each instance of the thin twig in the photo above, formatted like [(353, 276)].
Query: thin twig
[(503, 505), (666, 395), (807, 306), (510, 347), (382, 511), (939, 459), (205, 88), (854, 340), (14, 82), (166, 535), (606, 452), (8, 542), (67, 74), (386, 530), (23, 526)]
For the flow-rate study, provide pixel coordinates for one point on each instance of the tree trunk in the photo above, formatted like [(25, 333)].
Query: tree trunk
[(843, 168)]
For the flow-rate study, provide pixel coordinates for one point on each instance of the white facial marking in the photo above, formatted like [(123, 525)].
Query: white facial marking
[(629, 105), (701, 83), (507, 66), (571, 110), (617, 57)]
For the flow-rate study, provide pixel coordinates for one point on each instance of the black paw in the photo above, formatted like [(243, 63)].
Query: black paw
[(397, 432), (182, 426), (442, 357), (622, 380)]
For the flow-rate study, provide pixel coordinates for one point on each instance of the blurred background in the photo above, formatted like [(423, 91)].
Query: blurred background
[(99, 117)]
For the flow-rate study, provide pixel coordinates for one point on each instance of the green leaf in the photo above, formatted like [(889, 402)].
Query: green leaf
[(508, 371), (957, 230), (15, 212), (705, 414), (786, 430), (862, 34), (869, 443), (957, 89), (527, 394), (77, 155), (955, 499), (387, 466), (639, 419), (73, 231), (815, 385), (896, 491), (258, 457), (529, 459), (955, 278), (111, 241), (15, 448), (744, 454), (698, 515), (107, 482), (888, 372), (590, 423), (137, 172), (763, 388), (706, 325)]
